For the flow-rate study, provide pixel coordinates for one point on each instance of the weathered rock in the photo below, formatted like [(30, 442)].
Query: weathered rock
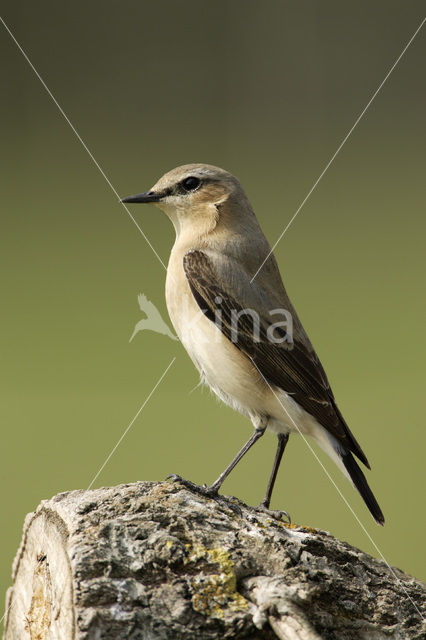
[(155, 561)]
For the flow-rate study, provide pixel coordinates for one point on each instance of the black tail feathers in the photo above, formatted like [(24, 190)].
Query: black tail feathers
[(360, 482)]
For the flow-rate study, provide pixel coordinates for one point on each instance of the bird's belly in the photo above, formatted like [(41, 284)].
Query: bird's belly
[(227, 371), (236, 381)]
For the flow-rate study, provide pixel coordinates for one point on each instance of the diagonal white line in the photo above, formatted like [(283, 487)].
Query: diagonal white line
[(80, 139), (131, 217), (114, 449), (116, 446), (341, 494), (333, 157)]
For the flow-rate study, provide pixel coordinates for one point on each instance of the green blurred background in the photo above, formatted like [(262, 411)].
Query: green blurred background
[(266, 90)]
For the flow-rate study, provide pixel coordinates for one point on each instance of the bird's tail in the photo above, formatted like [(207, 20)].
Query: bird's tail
[(361, 484)]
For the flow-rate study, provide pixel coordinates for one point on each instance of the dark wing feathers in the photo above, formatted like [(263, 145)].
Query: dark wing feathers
[(294, 368)]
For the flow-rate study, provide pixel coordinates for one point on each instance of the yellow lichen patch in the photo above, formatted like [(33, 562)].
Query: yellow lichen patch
[(302, 527), (213, 592), (290, 525)]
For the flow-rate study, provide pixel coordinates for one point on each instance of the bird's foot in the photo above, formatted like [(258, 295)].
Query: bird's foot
[(204, 490), (273, 513)]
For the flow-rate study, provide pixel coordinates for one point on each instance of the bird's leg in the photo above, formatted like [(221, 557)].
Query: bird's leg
[(213, 489), (282, 441), (264, 505)]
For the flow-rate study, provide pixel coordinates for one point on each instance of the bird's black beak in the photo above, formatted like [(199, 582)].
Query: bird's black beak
[(148, 196)]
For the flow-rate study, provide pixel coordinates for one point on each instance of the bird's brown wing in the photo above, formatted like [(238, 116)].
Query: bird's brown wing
[(293, 367)]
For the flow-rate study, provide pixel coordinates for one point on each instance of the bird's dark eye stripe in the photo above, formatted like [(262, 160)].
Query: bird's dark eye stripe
[(190, 184)]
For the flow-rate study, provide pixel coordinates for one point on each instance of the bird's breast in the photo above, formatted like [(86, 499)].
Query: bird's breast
[(196, 332), (228, 372)]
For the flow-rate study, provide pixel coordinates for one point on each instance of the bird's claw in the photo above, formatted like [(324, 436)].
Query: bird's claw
[(273, 513), (174, 477), (204, 490), (212, 491), (186, 483)]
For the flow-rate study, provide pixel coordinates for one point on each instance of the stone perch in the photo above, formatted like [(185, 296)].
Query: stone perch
[(155, 561)]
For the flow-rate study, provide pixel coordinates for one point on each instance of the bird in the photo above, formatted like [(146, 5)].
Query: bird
[(153, 320), (221, 306)]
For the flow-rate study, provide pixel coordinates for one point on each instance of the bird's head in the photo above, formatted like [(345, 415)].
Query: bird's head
[(192, 195)]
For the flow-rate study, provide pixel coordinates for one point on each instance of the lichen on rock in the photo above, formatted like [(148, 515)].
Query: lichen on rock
[(214, 591), (158, 561)]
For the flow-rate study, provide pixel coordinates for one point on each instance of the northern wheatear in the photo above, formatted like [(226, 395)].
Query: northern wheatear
[(224, 319)]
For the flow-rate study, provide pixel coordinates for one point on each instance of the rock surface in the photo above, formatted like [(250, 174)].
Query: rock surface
[(155, 561)]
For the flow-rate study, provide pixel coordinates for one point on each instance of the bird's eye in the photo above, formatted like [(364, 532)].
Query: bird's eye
[(191, 183)]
